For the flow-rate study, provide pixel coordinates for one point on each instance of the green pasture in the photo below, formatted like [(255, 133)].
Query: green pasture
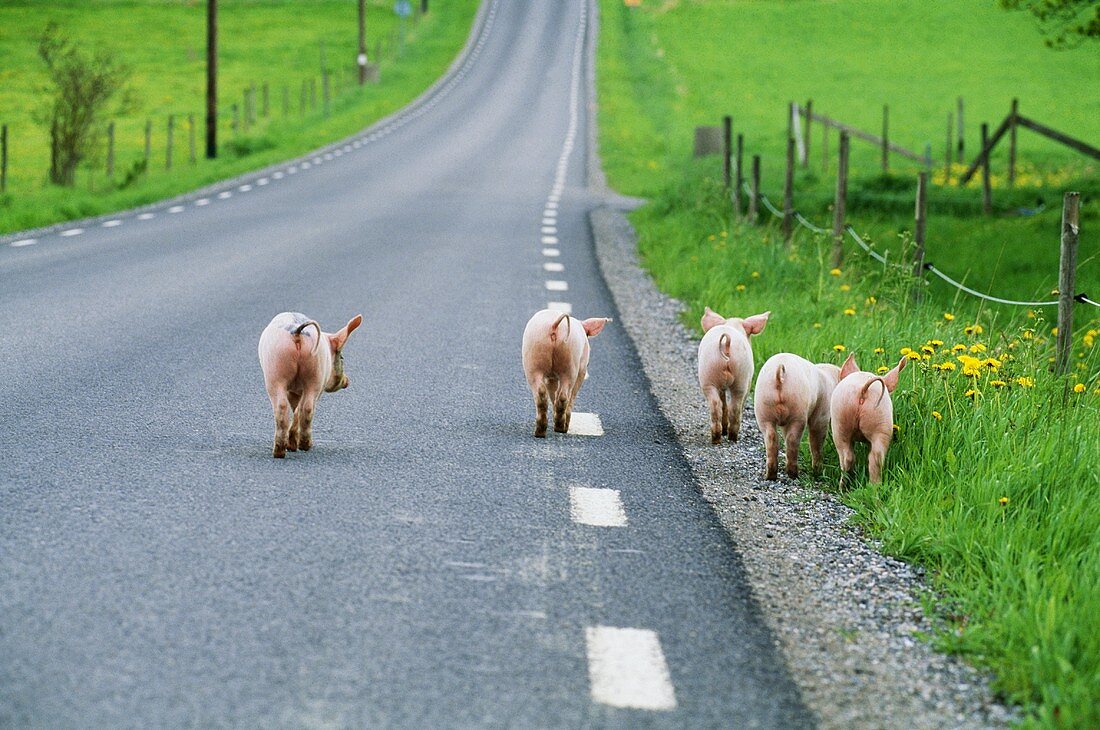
[(992, 482), (277, 42)]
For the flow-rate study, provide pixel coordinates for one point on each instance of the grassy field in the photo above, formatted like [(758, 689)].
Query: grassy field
[(277, 42), (992, 482)]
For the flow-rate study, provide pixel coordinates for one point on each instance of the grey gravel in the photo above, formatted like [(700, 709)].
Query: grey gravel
[(848, 619)]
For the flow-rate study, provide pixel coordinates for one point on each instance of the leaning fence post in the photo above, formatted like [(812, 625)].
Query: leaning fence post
[(110, 150), (959, 154), (1067, 275), (737, 200), (148, 141), (3, 158), (947, 152), (885, 138), (191, 138), (754, 199), (806, 132), (788, 195), (987, 189), (168, 145), (286, 101), (325, 91), (264, 108), (920, 223), (1012, 143), (841, 199), (727, 151)]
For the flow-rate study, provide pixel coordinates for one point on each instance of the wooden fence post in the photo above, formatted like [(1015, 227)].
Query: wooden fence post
[(824, 149), (1067, 280), (168, 143), (788, 195), (806, 131), (252, 103), (3, 158), (110, 151), (841, 199), (885, 139), (961, 136), (1012, 143), (727, 151), (920, 223), (313, 94), (148, 142), (740, 182), (236, 123), (754, 199), (987, 189), (191, 138), (947, 152), (286, 101), (325, 91), (264, 110)]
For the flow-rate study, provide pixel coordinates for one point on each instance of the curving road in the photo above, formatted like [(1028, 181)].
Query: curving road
[(429, 564)]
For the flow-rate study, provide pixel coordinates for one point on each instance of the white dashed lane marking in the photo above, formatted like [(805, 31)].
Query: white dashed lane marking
[(551, 252), (557, 285), (626, 668), (560, 307), (176, 209), (245, 188), (597, 507), (23, 242), (553, 266), (72, 232), (585, 424), (146, 216), (550, 239), (549, 230), (224, 195), (202, 201), (111, 223)]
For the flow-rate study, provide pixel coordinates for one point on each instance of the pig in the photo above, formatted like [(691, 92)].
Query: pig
[(861, 410), (793, 393), (555, 361), (725, 369), (299, 362)]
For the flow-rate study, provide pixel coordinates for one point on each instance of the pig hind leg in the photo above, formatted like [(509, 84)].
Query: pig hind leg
[(792, 434), (737, 408), (817, 440), (542, 402), (573, 399), (295, 424), (305, 421), (842, 438), (714, 402), (771, 449), (725, 412), (562, 401), (876, 458), (280, 406)]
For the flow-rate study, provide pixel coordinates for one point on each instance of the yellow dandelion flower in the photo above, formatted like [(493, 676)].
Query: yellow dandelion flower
[(1031, 314), (1054, 331), (711, 237), (839, 348), (937, 415), (879, 351), (896, 429), (1003, 501), (972, 394), (992, 363), (977, 347), (948, 316), (850, 312), (913, 355), (871, 300), (947, 366), (928, 349), (756, 274), (935, 343), (958, 348), (834, 272), (1024, 382), (1079, 388), (740, 287), (845, 287), (998, 383), (973, 329), (883, 369), (906, 350), (1028, 334), (724, 234), (817, 325)]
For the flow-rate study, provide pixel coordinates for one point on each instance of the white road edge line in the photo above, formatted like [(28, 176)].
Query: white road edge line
[(626, 668), (585, 424), (596, 507)]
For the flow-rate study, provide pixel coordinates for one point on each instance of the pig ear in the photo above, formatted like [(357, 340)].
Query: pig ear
[(754, 325), (341, 337), (593, 326), (711, 319), (850, 366), (891, 378)]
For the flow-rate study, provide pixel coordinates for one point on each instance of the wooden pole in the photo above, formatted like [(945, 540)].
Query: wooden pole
[(727, 151), (1067, 276), (244, 109), (3, 158), (211, 79), (806, 132), (740, 182), (111, 151), (947, 150), (286, 101), (266, 109), (168, 142), (362, 57), (841, 199), (960, 138), (236, 118), (885, 139), (824, 149), (191, 136), (754, 199), (1015, 112), (148, 142), (920, 223), (302, 99), (788, 195), (987, 189)]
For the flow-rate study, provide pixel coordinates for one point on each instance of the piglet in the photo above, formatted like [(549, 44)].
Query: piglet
[(725, 368), (299, 361), (861, 410), (555, 361), (792, 394)]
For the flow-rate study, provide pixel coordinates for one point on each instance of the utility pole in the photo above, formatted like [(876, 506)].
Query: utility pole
[(211, 79), (362, 59)]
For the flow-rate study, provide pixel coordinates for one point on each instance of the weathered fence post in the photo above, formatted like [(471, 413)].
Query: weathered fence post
[(788, 195), (3, 158), (286, 101), (961, 137), (824, 149), (244, 109), (110, 151), (806, 132), (313, 94), (1067, 280), (947, 151), (841, 199), (1015, 112), (727, 151), (236, 118), (885, 139), (148, 141), (754, 199), (987, 189), (264, 110), (740, 182), (168, 142), (252, 103), (191, 138), (920, 223), (325, 90)]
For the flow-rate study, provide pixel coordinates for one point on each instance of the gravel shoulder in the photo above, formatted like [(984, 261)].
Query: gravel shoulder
[(847, 619)]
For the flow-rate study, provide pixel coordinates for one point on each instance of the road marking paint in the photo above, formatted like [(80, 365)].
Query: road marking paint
[(262, 181), (549, 229), (555, 285), (460, 564), (553, 266), (277, 175), (551, 252), (23, 242), (245, 188), (585, 424), (550, 239), (626, 668), (306, 165), (560, 307), (317, 161), (597, 507), (146, 216), (112, 223), (552, 205), (551, 214), (176, 209), (202, 201), (72, 232), (225, 195), (291, 170), (549, 221)]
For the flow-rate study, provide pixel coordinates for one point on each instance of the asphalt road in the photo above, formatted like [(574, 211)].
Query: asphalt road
[(424, 565)]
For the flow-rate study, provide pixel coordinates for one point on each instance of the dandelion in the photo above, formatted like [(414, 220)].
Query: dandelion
[(1031, 314), (937, 415), (992, 363), (896, 429), (834, 272), (928, 349), (972, 394), (935, 343), (756, 274), (1025, 382), (906, 350), (1079, 388), (973, 329), (958, 348), (913, 355), (948, 316), (1054, 331), (1090, 337), (817, 325), (839, 348), (977, 347), (947, 366), (883, 369), (1003, 501), (845, 287), (880, 351), (998, 383), (850, 312), (724, 234), (740, 287), (871, 300), (711, 237), (1027, 334)]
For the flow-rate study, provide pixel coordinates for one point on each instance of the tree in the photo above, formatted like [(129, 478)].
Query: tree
[(82, 87), (1065, 23)]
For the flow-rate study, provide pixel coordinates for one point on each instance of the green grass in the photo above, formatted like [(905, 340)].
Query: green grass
[(1019, 582), (164, 41)]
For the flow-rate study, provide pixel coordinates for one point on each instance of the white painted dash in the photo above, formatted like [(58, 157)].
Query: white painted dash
[(552, 240), (112, 223), (23, 242), (549, 230), (202, 201), (585, 424), (553, 266), (245, 188), (556, 285), (225, 195), (551, 252), (626, 668), (146, 216), (549, 221), (597, 507), (277, 175), (176, 209), (560, 307), (262, 181), (72, 232)]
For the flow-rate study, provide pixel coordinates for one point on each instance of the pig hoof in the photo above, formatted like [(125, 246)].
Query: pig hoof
[(291, 446), (771, 476), (716, 439), (279, 453), (305, 446), (560, 428), (733, 437), (792, 473), (540, 431)]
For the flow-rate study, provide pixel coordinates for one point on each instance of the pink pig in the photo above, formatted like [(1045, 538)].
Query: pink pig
[(725, 368), (555, 361), (793, 393), (298, 364), (861, 410)]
